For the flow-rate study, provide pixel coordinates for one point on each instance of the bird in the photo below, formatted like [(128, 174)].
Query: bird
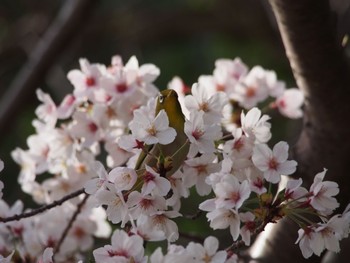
[(170, 157)]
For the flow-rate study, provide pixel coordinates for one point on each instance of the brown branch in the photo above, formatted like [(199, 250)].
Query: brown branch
[(42, 208), (70, 223), (57, 36)]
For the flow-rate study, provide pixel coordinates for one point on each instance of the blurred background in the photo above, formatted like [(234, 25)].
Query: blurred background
[(40, 41)]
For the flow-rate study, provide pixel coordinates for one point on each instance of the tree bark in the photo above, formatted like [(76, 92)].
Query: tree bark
[(308, 31)]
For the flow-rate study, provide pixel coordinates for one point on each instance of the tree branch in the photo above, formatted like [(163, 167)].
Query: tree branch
[(70, 223), (43, 208)]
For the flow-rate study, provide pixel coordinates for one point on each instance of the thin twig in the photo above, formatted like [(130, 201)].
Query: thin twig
[(239, 244), (70, 223), (43, 208), (194, 216)]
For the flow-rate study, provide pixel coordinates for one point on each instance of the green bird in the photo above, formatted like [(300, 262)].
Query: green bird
[(167, 159)]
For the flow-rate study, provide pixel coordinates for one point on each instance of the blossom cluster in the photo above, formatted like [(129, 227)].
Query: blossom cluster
[(138, 154)]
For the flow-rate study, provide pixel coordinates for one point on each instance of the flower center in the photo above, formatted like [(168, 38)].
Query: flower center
[(90, 81), (238, 144), (197, 133), (148, 177), (273, 164), (204, 106), (250, 92), (152, 131), (121, 87), (92, 127)]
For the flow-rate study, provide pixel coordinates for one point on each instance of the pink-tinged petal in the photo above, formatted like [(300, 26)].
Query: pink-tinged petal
[(76, 77), (234, 228), (252, 117), (261, 156), (332, 243), (167, 136), (320, 176), (208, 205), (317, 244), (287, 167), (163, 186), (331, 188), (191, 103), (219, 257), (280, 152), (272, 176), (161, 121), (211, 245), (149, 140), (132, 64), (149, 72)]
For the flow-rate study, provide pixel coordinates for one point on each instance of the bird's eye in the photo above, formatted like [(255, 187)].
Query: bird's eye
[(161, 98)]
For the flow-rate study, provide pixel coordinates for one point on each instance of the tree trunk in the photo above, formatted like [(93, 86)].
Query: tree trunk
[(319, 66)]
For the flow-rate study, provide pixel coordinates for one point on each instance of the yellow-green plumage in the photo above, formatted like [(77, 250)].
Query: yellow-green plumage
[(168, 101)]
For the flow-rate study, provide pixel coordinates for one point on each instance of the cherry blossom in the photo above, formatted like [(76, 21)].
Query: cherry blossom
[(252, 89), (323, 193), (161, 220), (123, 249), (248, 227), (153, 183), (212, 105), (117, 210), (7, 259), (201, 135), (290, 102), (256, 126), (47, 111), (87, 80), (295, 191), (196, 171), (223, 218), (47, 256), (123, 178), (273, 163), (93, 185), (230, 193), (208, 252), (152, 131), (145, 204)]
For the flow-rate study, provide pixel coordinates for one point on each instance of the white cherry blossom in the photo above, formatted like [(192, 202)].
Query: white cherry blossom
[(123, 249), (295, 191), (290, 102), (95, 184), (252, 89), (273, 163), (48, 110), (154, 183), (123, 178), (201, 135), (231, 193), (152, 131), (323, 193), (208, 252), (256, 126), (211, 105), (197, 170)]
